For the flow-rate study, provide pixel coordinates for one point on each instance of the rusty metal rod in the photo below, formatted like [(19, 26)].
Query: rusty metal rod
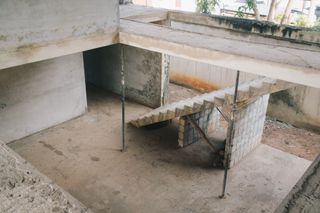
[(229, 141), (123, 100), (223, 115), (203, 135)]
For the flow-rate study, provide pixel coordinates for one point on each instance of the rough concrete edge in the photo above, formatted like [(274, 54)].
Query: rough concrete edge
[(43, 177), (267, 29), (297, 190)]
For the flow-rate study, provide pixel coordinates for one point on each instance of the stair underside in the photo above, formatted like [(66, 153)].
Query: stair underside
[(246, 92)]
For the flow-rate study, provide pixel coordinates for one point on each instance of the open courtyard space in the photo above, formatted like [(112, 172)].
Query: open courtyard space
[(83, 156), (145, 106)]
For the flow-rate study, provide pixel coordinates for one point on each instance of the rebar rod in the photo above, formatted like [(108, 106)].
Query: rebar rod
[(123, 100), (229, 140)]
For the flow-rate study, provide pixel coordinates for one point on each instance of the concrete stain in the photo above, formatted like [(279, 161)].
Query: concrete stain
[(94, 158), (193, 83), (3, 38), (50, 147), (285, 97)]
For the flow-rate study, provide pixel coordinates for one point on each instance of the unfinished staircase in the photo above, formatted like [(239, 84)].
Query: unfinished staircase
[(247, 92)]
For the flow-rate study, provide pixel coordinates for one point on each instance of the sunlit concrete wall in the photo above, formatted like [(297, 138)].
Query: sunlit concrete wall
[(39, 95)]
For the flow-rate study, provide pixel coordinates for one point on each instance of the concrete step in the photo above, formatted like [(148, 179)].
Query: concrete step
[(247, 91)]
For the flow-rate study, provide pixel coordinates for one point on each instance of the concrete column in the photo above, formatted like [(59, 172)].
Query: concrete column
[(146, 73), (248, 128), (39, 95)]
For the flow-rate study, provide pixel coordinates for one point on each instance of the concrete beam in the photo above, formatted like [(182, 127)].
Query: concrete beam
[(300, 66), (249, 27), (142, 13), (32, 31), (40, 52)]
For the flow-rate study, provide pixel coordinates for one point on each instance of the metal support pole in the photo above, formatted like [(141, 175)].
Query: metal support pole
[(123, 88), (229, 141), (223, 115)]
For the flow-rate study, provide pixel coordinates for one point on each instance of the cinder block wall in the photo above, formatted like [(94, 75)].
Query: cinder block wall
[(248, 129), (146, 73), (247, 133), (39, 95)]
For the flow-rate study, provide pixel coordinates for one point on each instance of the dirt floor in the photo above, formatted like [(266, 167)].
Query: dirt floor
[(83, 157), (300, 142)]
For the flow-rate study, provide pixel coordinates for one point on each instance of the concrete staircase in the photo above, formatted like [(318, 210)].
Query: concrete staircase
[(247, 92)]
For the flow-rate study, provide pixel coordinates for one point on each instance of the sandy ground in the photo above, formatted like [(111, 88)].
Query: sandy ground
[(83, 157), (300, 142)]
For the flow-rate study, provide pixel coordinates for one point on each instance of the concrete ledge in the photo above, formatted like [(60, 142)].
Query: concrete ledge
[(24, 189), (304, 197), (39, 52), (295, 65)]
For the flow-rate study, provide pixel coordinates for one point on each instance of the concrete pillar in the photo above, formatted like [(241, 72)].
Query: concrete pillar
[(146, 73), (248, 129), (39, 95)]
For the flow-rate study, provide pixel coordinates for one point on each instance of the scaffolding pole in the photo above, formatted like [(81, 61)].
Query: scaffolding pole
[(229, 141), (123, 100)]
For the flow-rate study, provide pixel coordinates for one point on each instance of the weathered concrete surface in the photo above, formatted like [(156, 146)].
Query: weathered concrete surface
[(36, 30), (83, 157), (299, 106), (248, 129), (39, 95), (146, 73), (283, 60), (304, 197), (142, 13), (24, 189), (250, 26)]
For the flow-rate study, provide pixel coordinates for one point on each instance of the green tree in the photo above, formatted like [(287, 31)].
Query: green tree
[(250, 5), (206, 6)]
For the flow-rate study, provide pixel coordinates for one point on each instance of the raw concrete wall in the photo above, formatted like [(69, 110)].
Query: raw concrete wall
[(299, 106), (39, 95), (217, 77), (26, 25), (145, 73), (28, 22)]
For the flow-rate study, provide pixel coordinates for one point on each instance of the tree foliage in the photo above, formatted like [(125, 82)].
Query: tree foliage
[(249, 6), (206, 6)]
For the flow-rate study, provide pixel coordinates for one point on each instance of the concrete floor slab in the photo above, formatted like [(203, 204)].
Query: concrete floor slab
[(83, 157)]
